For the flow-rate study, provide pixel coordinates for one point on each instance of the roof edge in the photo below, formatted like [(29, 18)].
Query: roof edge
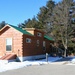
[(4, 27), (49, 38)]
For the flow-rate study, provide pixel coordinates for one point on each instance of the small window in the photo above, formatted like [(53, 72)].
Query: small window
[(28, 40), (44, 45), (37, 42), (39, 34)]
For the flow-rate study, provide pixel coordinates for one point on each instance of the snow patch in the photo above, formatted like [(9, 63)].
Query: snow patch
[(4, 66)]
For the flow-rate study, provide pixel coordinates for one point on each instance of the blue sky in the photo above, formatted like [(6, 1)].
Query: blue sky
[(17, 11)]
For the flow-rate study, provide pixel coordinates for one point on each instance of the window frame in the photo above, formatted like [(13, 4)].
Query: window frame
[(38, 42), (39, 34), (9, 44), (44, 45), (28, 40)]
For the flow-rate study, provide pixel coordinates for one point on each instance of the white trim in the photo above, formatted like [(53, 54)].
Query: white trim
[(10, 44), (31, 57)]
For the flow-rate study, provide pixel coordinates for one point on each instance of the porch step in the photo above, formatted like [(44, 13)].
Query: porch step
[(8, 57), (3, 57)]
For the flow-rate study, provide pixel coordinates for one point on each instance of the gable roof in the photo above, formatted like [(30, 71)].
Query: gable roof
[(19, 29), (49, 38), (25, 32)]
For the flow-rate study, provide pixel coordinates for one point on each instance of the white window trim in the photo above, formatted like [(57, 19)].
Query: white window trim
[(11, 45)]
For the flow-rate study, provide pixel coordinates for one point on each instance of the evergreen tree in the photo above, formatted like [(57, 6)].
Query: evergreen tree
[(30, 23), (57, 20), (45, 16), (62, 22), (43, 20), (2, 24)]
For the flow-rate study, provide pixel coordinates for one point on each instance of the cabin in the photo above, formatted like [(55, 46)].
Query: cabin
[(23, 44)]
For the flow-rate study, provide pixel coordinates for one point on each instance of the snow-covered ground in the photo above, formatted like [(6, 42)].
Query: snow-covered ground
[(72, 61), (4, 66)]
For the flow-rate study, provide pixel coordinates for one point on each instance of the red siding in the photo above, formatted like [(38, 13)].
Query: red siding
[(16, 36), (32, 48), (19, 45)]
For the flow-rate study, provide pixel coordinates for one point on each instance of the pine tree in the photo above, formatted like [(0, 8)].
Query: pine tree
[(2, 24), (30, 23), (62, 22), (45, 16)]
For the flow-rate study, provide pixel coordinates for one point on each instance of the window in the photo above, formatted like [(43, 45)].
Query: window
[(44, 45), (28, 40), (39, 34), (37, 42), (8, 44)]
